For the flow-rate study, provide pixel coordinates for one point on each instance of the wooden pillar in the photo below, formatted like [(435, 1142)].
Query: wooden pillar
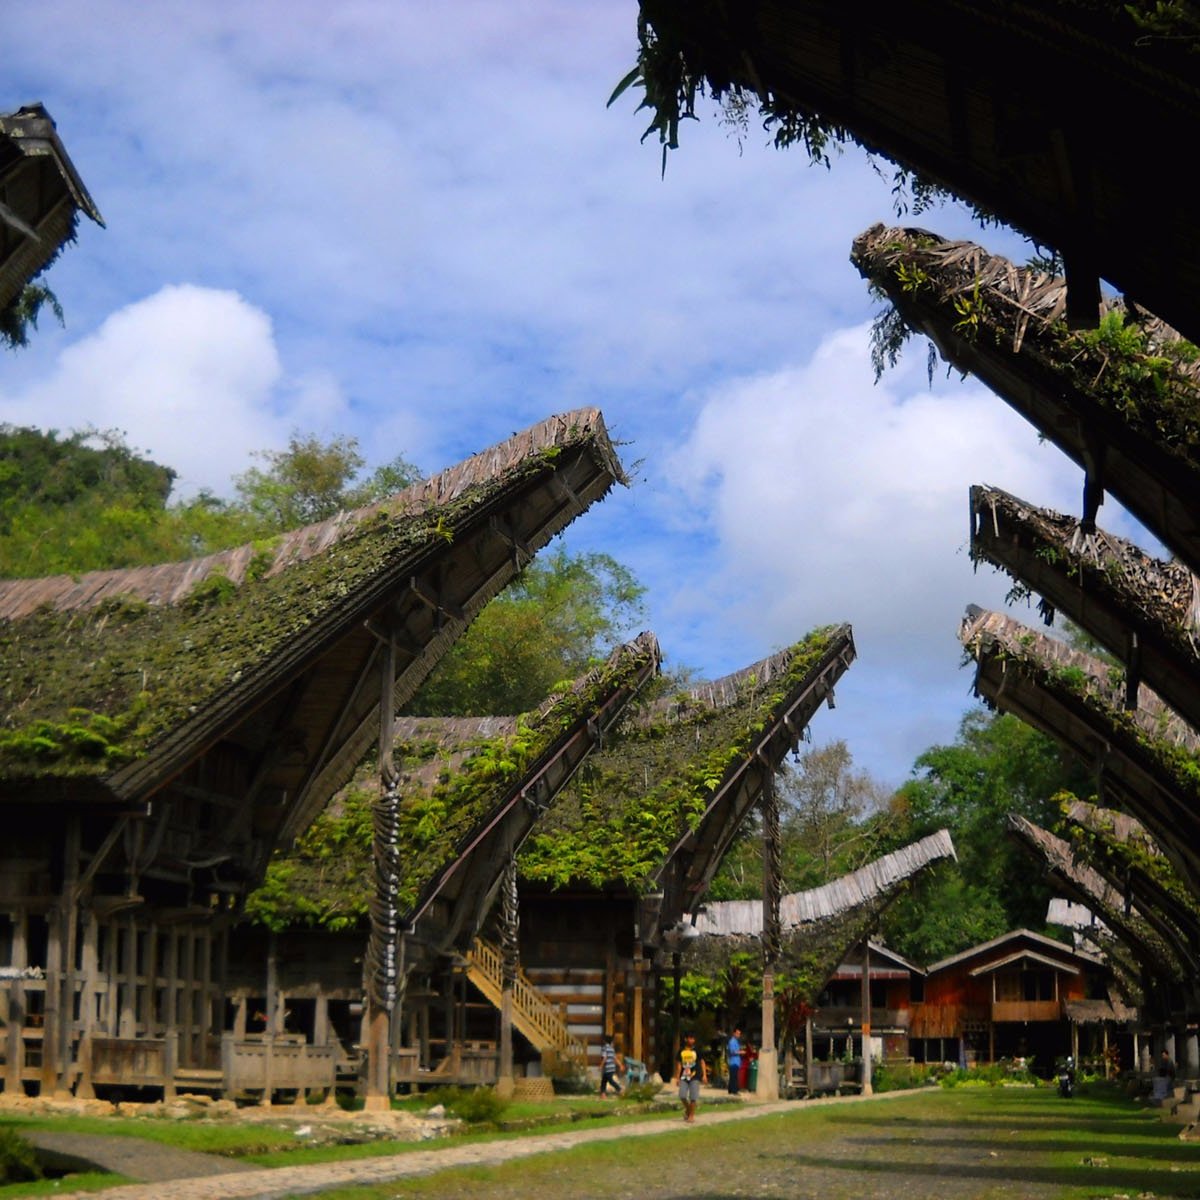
[(15, 1056), (867, 1087), (272, 1007), (171, 975), (509, 962), (127, 968), (808, 1053), (68, 944), (53, 1005), (88, 993), (677, 979), (637, 1042), (382, 981), (239, 1018), (423, 1026), (1104, 1029), (768, 1063)]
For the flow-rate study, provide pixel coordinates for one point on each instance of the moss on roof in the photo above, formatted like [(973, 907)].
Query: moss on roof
[(1120, 847), (1134, 366), (1158, 591), (455, 773), (1151, 735), (633, 800), (87, 686)]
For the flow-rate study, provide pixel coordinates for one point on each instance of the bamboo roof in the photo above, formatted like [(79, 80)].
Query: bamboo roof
[(1159, 954), (657, 808), (997, 103), (41, 196), (1147, 756), (1123, 403), (868, 885), (1144, 610), (1121, 850), (265, 661), (469, 791)]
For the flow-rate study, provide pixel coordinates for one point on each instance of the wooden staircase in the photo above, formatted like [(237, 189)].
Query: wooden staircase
[(534, 1016)]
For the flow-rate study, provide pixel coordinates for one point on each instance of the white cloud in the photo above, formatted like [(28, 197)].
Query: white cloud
[(834, 499), (191, 374)]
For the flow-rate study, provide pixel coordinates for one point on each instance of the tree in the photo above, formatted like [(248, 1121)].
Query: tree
[(557, 618), (312, 480), (88, 502), (826, 826), (21, 314)]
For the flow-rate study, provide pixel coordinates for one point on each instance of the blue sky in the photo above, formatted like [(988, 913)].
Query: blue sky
[(419, 225)]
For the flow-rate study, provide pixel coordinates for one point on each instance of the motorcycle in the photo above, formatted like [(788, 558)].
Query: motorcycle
[(1066, 1079)]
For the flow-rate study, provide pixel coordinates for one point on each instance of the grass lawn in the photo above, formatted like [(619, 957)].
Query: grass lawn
[(963, 1144)]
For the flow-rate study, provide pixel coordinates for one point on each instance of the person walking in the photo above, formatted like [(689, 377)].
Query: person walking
[(609, 1066), (689, 1072), (733, 1057)]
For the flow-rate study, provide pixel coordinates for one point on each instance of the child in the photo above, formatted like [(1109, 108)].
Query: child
[(609, 1065), (689, 1071)]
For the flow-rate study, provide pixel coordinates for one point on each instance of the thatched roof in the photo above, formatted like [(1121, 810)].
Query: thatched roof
[(1123, 402), (115, 682), (820, 926), (1142, 609), (870, 884), (1147, 756), (1084, 883), (1121, 850), (41, 197), (1000, 103), (656, 810), (470, 790)]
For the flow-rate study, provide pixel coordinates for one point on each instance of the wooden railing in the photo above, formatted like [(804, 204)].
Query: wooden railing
[(1026, 1010), (533, 1014)]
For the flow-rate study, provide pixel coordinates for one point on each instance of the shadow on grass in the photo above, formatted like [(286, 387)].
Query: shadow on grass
[(1117, 1126), (1116, 1148), (1098, 1180)]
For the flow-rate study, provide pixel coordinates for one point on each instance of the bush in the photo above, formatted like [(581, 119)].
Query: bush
[(641, 1093), (18, 1159), (991, 1074), (897, 1076), (473, 1105)]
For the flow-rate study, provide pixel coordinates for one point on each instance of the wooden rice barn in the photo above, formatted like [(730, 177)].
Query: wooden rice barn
[(166, 728), (598, 892), (824, 937), (471, 789)]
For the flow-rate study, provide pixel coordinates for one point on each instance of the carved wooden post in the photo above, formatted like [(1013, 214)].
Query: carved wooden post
[(509, 962), (382, 973), (867, 1088), (768, 1065)]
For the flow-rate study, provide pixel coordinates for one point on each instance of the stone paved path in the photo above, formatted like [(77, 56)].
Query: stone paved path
[(270, 1184), (134, 1157)]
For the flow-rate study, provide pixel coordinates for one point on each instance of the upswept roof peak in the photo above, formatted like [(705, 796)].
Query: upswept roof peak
[(469, 790), (656, 809), (1153, 943), (1148, 756), (43, 197), (1144, 610), (1122, 401)]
